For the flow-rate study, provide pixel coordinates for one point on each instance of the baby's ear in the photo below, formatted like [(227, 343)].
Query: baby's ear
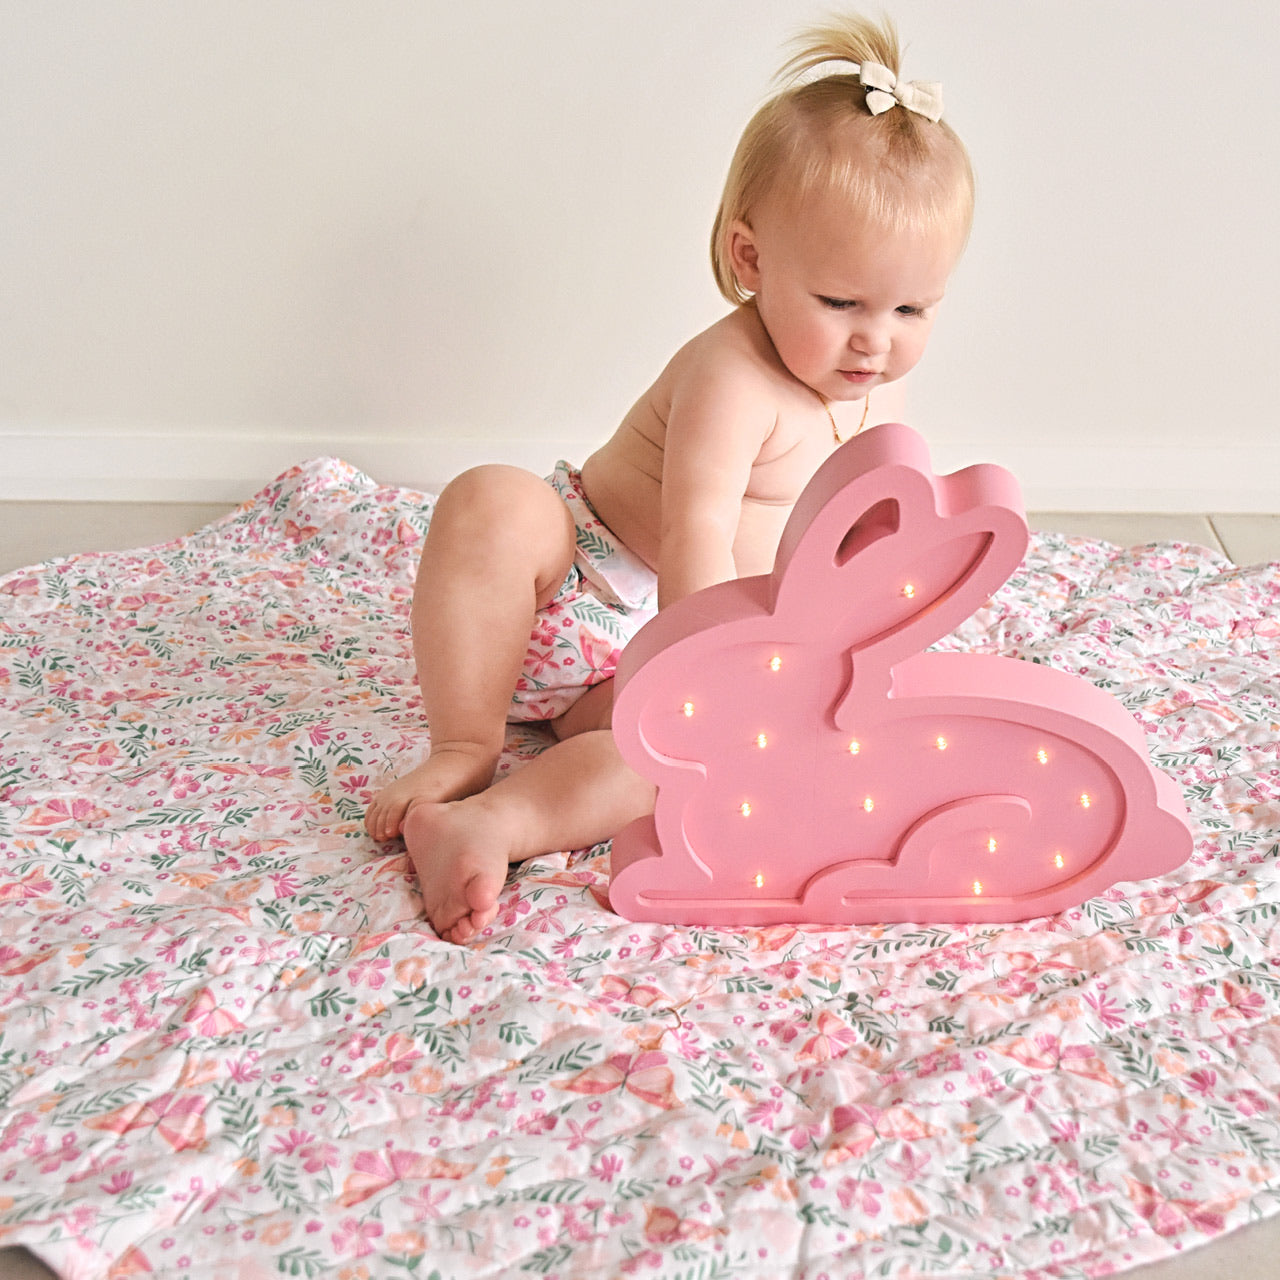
[(744, 255)]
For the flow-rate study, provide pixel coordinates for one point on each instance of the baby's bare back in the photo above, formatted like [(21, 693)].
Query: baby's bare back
[(623, 479)]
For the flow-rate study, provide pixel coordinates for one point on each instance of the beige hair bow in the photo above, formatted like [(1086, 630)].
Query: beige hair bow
[(885, 90)]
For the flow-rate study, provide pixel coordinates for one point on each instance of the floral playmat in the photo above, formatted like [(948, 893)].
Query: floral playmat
[(231, 1047)]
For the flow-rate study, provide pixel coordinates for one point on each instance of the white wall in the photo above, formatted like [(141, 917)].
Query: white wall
[(238, 233)]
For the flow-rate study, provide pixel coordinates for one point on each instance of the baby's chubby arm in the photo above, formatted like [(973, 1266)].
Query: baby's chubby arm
[(719, 421)]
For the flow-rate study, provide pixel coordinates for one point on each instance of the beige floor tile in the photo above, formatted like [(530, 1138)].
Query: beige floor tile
[(1129, 530), (18, 1264), (35, 531), (1249, 539), (1247, 1254)]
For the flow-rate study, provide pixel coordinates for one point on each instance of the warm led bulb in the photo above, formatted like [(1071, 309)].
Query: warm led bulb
[(977, 888), (775, 663), (991, 845), (1085, 802), (854, 747), (745, 809), (687, 708), (759, 880), (1043, 756), (1059, 861), (762, 740), (942, 743), (868, 804), (909, 591)]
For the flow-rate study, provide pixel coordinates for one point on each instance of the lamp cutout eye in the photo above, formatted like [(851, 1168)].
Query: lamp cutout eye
[(868, 804), (687, 709), (759, 880), (940, 742), (991, 845), (977, 888), (1085, 802), (1059, 861), (745, 809), (854, 747), (909, 591), (1043, 756), (762, 740), (775, 663)]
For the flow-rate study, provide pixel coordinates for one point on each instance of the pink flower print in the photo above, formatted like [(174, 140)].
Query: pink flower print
[(804, 1130), (1248, 1102), (316, 1156), (178, 1119), (103, 755), (546, 920), (1203, 1082), (376, 1170), (1240, 1002), (852, 1192), (287, 1143), (286, 884), (580, 1134), (665, 1226), (118, 1183), (185, 784), (58, 812), (638, 993), (209, 1019), (910, 1165), (355, 1235), (511, 912), (425, 1203), (1047, 1052), (833, 1039), (598, 655), (402, 1055), (764, 1113), (60, 1155), (13, 962), (1109, 1012), (607, 1168), (1170, 1217), (1175, 1134), (856, 1129), (645, 1075), (370, 972)]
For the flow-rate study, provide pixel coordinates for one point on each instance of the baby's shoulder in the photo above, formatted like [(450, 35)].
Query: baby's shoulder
[(734, 351)]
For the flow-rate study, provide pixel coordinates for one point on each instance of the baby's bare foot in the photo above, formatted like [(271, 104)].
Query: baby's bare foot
[(461, 858), (449, 773)]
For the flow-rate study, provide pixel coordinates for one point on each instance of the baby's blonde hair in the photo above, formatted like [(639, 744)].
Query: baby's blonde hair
[(898, 170)]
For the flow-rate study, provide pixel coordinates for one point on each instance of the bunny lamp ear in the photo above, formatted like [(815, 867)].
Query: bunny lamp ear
[(879, 540), (812, 764)]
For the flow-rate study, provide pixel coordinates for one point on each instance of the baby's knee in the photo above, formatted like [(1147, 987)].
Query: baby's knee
[(499, 510)]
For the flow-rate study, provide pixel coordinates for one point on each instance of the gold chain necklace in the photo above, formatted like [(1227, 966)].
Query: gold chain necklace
[(835, 434)]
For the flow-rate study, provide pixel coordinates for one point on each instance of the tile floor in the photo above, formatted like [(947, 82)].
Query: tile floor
[(33, 531)]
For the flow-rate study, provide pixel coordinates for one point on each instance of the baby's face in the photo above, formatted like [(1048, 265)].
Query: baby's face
[(847, 306)]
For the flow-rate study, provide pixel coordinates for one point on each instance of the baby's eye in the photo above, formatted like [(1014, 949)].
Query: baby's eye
[(907, 310), (837, 304)]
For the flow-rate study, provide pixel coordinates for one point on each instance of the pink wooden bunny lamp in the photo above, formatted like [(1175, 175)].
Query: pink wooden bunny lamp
[(813, 764)]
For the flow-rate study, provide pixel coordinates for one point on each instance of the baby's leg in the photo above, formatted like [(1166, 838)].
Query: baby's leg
[(574, 794), (499, 545)]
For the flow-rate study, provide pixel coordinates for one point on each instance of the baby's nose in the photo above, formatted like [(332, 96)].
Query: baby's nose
[(870, 338)]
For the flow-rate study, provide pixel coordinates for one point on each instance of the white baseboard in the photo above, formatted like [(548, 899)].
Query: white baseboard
[(231, 466), (71, 466)]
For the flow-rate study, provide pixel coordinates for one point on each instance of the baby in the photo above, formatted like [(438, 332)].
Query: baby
[(846, 207)]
